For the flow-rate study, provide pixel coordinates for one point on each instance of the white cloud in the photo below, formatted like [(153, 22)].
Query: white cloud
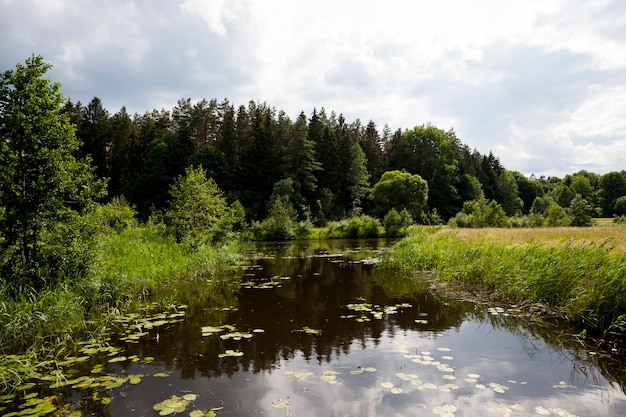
[(513, 77)]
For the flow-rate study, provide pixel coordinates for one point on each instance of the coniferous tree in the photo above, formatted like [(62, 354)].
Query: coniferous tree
[(301, 161)]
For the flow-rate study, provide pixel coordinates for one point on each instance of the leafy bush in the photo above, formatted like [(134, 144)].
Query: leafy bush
[(355, 227), (480, 213), (117, 215), (620, 206), (531, 220), (619, 220), (396, 223), (279, 225), (580, 212), (556, 216), (198, 213)]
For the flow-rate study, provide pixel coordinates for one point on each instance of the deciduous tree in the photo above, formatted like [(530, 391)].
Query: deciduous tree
[(42, 185)]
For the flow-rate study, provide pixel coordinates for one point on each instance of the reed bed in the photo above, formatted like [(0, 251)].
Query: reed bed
[(580, 273), (137, 267)]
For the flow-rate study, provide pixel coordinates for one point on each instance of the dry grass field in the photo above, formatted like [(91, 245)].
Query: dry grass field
[(554, 236)]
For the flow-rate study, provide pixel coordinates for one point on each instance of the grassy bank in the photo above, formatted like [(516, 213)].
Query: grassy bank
[(137, 267), (580, 273)]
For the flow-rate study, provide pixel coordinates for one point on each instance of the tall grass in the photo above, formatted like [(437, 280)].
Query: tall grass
[(583, 280), (136, 266)]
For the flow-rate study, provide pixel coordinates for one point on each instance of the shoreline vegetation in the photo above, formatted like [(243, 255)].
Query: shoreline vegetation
[(576, 274), (140, 270)]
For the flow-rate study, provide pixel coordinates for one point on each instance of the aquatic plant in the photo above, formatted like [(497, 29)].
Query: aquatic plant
[(582, 280)]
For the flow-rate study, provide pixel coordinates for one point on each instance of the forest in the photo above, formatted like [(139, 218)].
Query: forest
[(327, 166)]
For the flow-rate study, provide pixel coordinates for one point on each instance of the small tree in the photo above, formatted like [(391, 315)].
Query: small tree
[(480, 213), (556, 216), (43, 188), (580, 212), (198, 213), (396, 223), (620, 206), (401, 190)]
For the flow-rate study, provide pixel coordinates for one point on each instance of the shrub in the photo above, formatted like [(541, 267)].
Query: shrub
[(556, 216), (396, 223), (116, 215), (355, 227), (279, 225), (480, 213), (580, 212)]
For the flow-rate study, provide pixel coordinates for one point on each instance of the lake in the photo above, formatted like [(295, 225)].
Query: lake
[(314, 330)]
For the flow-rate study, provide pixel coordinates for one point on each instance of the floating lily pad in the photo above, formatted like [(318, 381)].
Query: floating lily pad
[(330, 377), (446, 410), (498, 387), (281, 404), (230, 352)]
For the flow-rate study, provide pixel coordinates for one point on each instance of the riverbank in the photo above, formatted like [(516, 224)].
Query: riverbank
[(577, 273), (138, 269)]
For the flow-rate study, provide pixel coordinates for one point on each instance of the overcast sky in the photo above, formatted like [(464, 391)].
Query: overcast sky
[(541, 83)]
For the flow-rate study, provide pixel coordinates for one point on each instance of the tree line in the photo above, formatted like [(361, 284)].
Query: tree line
[(332, 164)]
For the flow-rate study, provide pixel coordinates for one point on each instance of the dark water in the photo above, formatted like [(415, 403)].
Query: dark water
[(324, 335)]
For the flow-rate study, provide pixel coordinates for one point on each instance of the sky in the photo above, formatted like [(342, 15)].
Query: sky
[(540, 83)]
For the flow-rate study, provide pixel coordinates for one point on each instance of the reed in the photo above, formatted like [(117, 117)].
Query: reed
[(136, 266), (583, 279)]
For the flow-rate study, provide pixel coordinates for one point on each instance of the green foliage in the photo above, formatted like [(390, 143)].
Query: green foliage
[(480, 213), (358, 178), (396, 223), (530, 220), (508, 193), (435, 161), (540, 204), (116, 215), (400, 190), (43, 188), (619, 208), (556, 216), (583, 281), (580, 212), (137, 265), (281, 224), (355, 227), (619, 220), (198, 213)]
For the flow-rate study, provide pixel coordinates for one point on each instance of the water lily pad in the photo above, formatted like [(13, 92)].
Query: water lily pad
[(190, 397), (396, 390), (387, 385), (230, 352), (446, 410), (161, 374), (330, 377), (281, 404)]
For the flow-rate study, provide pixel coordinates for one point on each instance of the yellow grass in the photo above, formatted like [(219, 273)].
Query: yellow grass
[(552, 235)]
